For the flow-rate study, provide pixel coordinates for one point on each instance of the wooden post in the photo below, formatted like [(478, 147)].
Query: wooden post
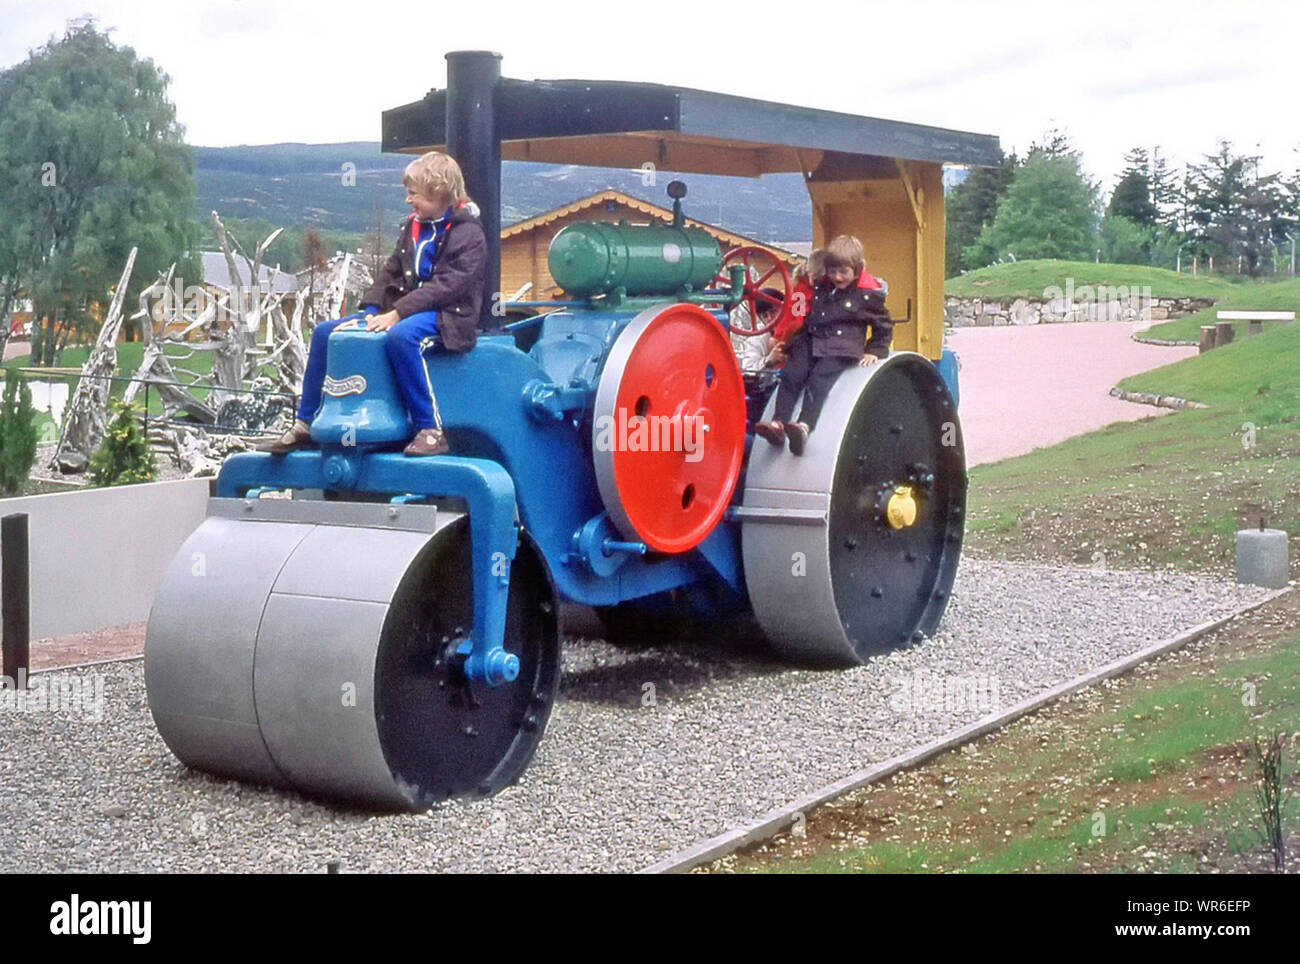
[(1207, 338), (15, 599), (1223, 333)]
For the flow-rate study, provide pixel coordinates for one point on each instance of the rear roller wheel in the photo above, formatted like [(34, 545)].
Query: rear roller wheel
[(852, 548)]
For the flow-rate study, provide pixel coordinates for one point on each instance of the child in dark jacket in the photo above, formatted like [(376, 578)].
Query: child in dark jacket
[(431, 285), (848, 306)]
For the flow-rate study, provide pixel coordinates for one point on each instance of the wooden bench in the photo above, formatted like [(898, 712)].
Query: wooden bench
[(1221, 333)]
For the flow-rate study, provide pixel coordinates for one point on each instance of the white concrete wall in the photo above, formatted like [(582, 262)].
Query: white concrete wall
[(98, 555)]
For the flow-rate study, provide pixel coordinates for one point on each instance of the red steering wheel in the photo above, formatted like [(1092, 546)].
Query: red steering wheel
[(761, 267)]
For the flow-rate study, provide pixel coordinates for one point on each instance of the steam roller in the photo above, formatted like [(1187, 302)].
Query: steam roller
[(382, 631)]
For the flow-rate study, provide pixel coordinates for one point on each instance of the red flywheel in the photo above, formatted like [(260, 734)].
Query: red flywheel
[(668, 432)]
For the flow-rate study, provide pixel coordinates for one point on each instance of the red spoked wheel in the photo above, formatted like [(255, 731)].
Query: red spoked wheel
[(762, 269), (668, 430)]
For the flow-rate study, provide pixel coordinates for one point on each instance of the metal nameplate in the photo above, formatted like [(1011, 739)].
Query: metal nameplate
[(338, 387)]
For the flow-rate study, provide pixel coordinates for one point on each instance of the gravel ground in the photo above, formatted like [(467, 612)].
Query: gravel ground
[(616, 785)]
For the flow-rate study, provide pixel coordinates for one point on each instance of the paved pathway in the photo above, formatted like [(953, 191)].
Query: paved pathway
[(1025, 387)]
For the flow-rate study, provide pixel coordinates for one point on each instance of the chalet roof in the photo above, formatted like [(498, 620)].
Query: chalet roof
[(622, 124), (360, 276), (217, 273), (730, 238)]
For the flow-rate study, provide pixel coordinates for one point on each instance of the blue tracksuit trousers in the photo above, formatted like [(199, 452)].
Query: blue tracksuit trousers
[(404, 343)]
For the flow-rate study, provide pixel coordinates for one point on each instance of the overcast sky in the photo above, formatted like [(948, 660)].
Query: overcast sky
[(1114, 75)]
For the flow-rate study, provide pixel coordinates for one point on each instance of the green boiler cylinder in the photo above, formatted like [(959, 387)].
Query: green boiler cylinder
[(595, 257)]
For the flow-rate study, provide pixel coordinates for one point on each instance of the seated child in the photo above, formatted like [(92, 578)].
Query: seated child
[(805, 280), (848, 303), (432, 284), (753, 351)]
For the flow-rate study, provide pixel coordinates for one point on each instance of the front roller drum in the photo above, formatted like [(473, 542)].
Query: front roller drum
[(851, 549), (314, 646)]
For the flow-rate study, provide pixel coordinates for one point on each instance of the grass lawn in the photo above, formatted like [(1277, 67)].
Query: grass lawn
[(1152, 772), (1028, 279), (47, 430), (129, 356), (1256, 295), (1167, 491)]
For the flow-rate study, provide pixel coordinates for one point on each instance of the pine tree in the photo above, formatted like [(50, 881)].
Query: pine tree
[(1165, 194), (17, 433), (1132, 196), (124, 457), (1055, 143), (1238, 214)]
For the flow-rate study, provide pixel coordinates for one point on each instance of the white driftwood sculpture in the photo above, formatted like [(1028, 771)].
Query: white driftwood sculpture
[(223, 322), (86, 421), (336, 290)]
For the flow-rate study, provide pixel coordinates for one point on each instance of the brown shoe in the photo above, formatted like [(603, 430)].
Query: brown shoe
[(773, 432), (298, 437), (797, 432), (428, 441)]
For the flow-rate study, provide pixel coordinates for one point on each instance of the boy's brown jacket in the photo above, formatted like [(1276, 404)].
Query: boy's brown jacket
[(454, 290)]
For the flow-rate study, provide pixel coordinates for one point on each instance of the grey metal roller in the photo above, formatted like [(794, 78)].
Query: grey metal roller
[(312, 645), (831, 579)]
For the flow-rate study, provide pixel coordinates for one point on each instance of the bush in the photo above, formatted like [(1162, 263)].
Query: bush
[(1050, 211), (17, 433), (124, 456), (1125, 241)]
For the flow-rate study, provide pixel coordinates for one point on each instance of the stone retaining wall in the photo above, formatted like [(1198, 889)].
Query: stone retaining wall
[(963, 312)]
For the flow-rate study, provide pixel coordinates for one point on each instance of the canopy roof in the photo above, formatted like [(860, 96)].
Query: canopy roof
[(621, 124)]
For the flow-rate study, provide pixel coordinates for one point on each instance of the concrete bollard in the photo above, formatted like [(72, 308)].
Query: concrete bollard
[(1207, 339), (1262, 558)]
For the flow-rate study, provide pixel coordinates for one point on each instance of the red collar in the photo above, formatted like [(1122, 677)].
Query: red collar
[(416, 222)]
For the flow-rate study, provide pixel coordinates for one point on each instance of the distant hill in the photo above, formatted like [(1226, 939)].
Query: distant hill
[(302, 185)]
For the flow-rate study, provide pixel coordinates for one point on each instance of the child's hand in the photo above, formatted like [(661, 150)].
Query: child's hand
[(383, 321), (776, 356), (867, 361)]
